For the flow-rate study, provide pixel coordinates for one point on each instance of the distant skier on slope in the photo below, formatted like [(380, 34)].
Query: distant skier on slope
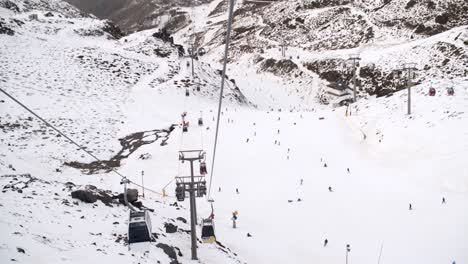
[(237, 191), (330, 189), (348, 170), (443, 200), (325, 243), (302, 181), (410, 207)]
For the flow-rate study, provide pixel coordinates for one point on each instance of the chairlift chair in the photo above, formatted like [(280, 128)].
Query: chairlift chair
[(203, 169), (450, 91), (208, 231), (139, 227), (200, 121), (432, 91), (198, 88)]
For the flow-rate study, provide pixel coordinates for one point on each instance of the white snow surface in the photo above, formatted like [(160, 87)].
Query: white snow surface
[(394, 159)]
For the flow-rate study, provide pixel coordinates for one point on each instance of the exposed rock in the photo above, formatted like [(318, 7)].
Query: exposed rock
[(6, 30), (169, 252), (183, 220), (132, 196), (442, 19), (9, 5), (90, 194)]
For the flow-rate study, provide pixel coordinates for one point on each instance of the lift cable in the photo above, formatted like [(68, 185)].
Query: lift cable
[(226, 50), (72, 141)]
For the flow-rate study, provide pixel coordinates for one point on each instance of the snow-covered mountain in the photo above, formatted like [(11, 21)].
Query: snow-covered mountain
[(304, 171)]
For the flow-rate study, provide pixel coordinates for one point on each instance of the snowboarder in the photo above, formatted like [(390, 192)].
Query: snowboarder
[(325, 243), (330, 189), (443, 200), (410, 207)]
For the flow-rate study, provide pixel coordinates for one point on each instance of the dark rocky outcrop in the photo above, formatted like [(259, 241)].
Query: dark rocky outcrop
[(91, 194), (9, 5), (278, 67), (112, 30)]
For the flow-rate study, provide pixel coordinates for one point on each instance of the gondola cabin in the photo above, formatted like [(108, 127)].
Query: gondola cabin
[(208, 231), (450, 91), (139, 227), (432, 91)]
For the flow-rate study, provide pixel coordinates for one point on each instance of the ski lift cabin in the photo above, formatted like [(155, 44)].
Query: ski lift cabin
[(208, 232), (450, 91), (432, 91), (139, 227), (203, 169)]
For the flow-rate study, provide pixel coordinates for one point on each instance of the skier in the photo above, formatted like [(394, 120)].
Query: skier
[(234, 219), (348, 170), (219, 189), (288, 150), (330, 189), (302, 181), (410, 207), (325, 165), (443, 200), (237, 191), (278, 131), (276, 141), (255, 133), (249, 235), (247, 140), (325, 243)]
